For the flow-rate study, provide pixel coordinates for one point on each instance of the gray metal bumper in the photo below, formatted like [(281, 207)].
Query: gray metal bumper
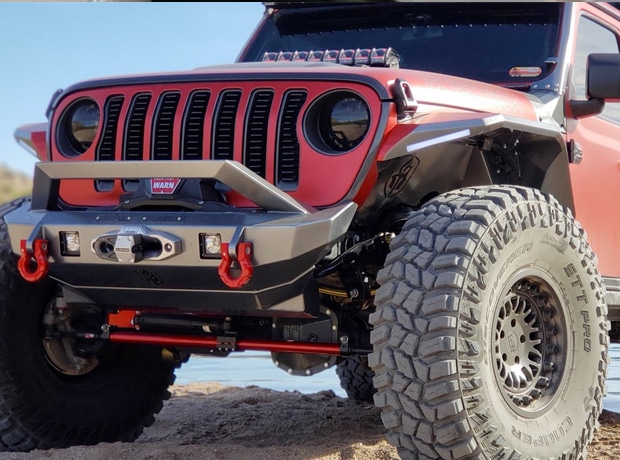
[(287, 239)]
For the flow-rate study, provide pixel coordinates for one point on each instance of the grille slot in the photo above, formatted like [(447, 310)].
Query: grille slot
[(255, 139), (125, 115), (193, 123), (134, 128), (161, 147), (107, 144), (224, 125), (287, 152)]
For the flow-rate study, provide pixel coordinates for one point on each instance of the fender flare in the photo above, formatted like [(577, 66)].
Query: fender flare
[(477, 141)]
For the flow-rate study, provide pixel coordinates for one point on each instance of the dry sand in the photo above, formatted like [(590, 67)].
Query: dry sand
[(212, 422)]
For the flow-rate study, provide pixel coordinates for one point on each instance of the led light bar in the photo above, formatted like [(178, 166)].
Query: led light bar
[(375, 57)]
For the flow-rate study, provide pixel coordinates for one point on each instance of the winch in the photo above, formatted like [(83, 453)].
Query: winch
[(132, 244)]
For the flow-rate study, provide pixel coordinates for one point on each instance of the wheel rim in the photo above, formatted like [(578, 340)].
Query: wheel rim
[(62, 353), (530, 344)]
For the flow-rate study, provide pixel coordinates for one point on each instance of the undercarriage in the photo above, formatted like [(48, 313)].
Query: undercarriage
[(300, 345)]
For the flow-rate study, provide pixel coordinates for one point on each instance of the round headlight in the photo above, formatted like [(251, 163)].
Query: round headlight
[(80, 125), (338, 122)]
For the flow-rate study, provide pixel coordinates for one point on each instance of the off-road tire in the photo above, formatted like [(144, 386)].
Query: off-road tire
[(490, 333), (41, 407), (356, 378)]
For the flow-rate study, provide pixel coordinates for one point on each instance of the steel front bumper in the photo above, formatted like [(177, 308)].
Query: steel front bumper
[(286, 239)]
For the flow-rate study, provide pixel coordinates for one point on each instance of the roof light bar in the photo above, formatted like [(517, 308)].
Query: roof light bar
[(375, 57)]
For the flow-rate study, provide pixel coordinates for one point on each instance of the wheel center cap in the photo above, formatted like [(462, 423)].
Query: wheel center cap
[(512, 343)]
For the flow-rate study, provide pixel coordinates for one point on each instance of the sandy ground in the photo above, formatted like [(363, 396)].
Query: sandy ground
[(213, 422)]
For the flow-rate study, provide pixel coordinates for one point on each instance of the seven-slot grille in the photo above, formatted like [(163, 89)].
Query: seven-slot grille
[(208, 125)]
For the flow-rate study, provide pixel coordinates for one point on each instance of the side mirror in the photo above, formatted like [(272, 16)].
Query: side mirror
[(602, 84), (603, 76)]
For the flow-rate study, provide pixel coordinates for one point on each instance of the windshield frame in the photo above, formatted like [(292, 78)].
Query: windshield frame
[(268, 30)]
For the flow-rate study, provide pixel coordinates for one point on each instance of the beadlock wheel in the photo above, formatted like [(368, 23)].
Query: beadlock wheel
[(530, 344), (490, 330)]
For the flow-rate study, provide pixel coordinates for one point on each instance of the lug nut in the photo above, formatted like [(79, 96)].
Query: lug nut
[(552, 349), (549, 367)]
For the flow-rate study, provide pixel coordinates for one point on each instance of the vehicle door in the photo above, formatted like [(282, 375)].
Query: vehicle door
[(596, 178)]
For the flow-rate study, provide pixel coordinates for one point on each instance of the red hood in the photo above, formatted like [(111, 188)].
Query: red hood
[(432, 89)]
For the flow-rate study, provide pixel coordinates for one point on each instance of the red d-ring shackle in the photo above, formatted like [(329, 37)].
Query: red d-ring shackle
[(244, 256), (39, 255)]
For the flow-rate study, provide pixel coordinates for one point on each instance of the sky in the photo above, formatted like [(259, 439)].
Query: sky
[(49, 46)]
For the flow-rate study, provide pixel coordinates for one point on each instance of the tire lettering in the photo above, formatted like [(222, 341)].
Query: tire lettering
[(546, 439), (520, 250), (570, 270), (560, 244), (587, 342)]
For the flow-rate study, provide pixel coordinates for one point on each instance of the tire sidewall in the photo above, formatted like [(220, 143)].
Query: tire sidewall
[(547, 247), (77, 402)]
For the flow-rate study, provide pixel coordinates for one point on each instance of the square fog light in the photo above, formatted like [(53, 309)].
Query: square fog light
[(69, 244), (210, 245)]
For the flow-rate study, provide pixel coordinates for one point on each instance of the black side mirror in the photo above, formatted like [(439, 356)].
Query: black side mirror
[(603, 76), (602, 84)]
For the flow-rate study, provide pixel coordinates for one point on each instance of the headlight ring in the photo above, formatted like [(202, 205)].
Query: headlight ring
[(337, 122), (78, 127)]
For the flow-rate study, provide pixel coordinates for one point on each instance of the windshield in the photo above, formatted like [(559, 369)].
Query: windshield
[(492, 42)]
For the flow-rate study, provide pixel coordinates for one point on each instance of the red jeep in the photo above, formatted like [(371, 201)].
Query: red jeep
[(388, 188)]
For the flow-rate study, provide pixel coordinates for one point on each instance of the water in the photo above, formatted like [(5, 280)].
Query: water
[(256, 368)]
